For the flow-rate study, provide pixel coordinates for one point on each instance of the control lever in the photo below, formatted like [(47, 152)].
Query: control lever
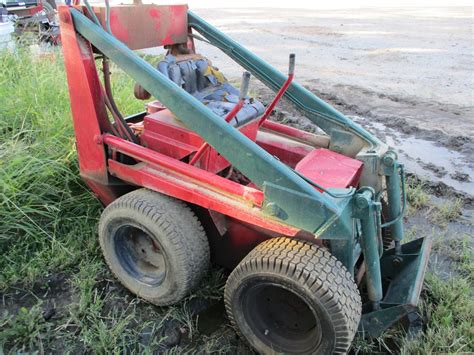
[(244, 88), (281, 92)]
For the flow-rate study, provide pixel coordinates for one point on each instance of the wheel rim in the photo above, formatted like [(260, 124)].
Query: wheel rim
[(281, 318), (140, 255)]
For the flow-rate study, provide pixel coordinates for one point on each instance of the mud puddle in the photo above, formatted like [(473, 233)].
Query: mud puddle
[(426, 159)]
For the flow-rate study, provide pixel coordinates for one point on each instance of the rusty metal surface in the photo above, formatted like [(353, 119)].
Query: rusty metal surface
[(148, 25)]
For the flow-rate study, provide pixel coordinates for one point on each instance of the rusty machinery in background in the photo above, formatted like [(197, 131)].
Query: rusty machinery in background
[(310, 224), (37, 17)]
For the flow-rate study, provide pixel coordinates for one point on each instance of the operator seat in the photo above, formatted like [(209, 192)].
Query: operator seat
[(195, 74)]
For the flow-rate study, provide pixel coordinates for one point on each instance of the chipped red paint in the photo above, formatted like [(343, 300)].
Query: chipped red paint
[(167, 40), (288, 150), (154, 12), (165, 134), (251, 195), (148, 25), (28, 11), (118, 29), (178, 12), (207, 196)]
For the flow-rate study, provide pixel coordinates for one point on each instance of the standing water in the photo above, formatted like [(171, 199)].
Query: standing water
[(426, 159)]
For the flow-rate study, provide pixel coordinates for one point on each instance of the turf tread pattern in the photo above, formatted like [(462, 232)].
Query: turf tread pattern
[(315, 268)]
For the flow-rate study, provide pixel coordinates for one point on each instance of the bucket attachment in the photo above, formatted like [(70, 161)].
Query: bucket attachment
[(402, 278)]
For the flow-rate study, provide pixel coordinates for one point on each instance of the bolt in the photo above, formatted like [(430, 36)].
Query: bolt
[(389, 158), (362, 202), (397, 261), (272, 208), (98, 139)]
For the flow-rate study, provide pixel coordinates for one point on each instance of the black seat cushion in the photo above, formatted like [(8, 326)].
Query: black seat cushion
[(205, 82)]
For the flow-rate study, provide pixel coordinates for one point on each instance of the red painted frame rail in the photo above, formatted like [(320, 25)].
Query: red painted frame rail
[(175, 178)]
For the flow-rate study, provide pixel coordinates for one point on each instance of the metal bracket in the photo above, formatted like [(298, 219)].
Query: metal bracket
[(326, 220)]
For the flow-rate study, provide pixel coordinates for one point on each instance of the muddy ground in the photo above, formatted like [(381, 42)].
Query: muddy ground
[(405, 75)]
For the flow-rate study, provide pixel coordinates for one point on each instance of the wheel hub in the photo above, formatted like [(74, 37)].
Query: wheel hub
[(140, 255), (281, 318)]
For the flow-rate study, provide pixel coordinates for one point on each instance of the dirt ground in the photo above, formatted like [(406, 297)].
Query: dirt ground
[(404, 74)]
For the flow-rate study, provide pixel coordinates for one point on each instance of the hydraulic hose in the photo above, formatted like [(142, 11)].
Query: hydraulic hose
[(126, 132), (113, 106)]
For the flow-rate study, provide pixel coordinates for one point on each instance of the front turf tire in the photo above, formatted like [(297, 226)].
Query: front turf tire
[(290, 296), (155, 246)]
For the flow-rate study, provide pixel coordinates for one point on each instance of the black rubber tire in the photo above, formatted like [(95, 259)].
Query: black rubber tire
[(144, 225), (291, 296)]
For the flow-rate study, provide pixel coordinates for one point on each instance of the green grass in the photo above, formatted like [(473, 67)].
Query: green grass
[(48, 242), (446, 212), (48, 216), (26, 330), (416, 195), (448, 308), (439, 213), (47, 213)]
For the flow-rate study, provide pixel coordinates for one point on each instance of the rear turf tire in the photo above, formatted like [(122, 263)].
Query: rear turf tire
[(290, 296), (155, 246)]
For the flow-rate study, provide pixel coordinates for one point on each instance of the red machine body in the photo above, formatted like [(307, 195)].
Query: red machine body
[(164, 133), (146, 25), (228, 205)]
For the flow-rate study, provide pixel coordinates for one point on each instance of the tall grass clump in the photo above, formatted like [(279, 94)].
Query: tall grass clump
[(47, 215), (448, 309)]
